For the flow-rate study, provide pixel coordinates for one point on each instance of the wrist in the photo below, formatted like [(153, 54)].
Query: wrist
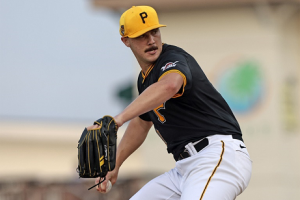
[(119, 120)]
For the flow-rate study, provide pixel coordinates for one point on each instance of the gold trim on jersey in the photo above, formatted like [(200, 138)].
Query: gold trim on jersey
[(147, 72), (214, 171), (184, 80)]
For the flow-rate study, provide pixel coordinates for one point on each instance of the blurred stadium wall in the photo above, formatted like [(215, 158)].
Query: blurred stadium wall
[(251, 53)]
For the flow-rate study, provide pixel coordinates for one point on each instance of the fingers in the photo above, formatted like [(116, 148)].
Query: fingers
[(93, 127), (102, 187), (97, 180), (112, 177)]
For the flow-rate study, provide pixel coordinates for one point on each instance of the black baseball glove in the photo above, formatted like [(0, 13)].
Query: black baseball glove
[(97, 149)]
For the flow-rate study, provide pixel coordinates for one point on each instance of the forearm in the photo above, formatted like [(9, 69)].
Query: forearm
[(151, 98), (134, 136)]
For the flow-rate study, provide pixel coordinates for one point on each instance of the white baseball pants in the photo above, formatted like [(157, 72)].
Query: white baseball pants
[(220, 171)]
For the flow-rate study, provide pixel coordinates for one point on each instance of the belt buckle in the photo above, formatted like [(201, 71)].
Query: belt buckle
[(186, 151), (184, 154)]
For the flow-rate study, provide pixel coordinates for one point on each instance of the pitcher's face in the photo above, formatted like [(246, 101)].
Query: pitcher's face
[(146, 47)]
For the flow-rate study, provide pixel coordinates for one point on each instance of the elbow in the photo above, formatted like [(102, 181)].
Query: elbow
[(172, 88), (172, 83)]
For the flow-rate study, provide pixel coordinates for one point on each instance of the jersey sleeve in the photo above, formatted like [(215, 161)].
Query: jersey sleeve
[(176, 63)]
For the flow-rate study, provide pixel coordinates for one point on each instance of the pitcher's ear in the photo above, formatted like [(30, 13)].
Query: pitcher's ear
[(125, 40)]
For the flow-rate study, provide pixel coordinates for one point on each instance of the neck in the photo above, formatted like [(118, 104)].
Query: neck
[(145, 67)]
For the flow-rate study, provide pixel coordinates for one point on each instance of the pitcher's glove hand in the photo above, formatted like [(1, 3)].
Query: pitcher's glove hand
[(97, 149)]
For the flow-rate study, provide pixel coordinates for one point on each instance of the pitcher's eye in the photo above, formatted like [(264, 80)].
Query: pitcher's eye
[(154, 31)]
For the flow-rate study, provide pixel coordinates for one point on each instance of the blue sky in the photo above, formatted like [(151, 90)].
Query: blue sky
[(61, 59)]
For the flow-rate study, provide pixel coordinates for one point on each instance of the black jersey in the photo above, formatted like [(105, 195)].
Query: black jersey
[(196, 111)]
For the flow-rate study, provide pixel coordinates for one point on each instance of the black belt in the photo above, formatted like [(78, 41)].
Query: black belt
[(203, 143), (199, 146), (237, 137)]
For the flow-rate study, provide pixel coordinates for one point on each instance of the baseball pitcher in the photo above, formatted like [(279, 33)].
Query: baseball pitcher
[(188, 114)]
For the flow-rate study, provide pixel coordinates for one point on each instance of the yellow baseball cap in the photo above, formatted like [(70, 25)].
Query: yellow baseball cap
[(138, 20)]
